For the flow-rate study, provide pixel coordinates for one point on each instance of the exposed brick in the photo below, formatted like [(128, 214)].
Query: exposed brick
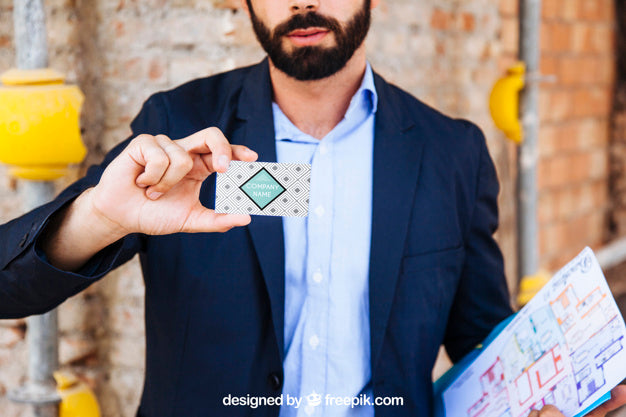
[(604, 71), (545, 40), (599, 164), (13, 323), (228, 4), (559, 105), (549, 66), (591, 102), (546, 209), (566, 238), (593, 133), (597, 228), (10, 336), (607, 10), (81, 313), (561, 138), (467, 22), (509, 8), (505, 62), (127, 351), (156, 70), (128, 319), (559, 36), (602, 40), (581, 38), (568, 10), (572, 70), (552, 239), (440, 19), (591, 9), (600, 193), (75, 349), (570, 168), (550, 9)]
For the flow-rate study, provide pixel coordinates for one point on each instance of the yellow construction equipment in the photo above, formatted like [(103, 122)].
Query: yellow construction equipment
[(530, 285), (77, 400), (39, 124), (504, 102)]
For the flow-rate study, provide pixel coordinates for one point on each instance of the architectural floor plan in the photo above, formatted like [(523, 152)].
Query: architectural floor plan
[(565, 347)]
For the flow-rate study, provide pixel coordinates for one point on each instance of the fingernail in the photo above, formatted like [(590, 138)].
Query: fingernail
[(223, 161), (153, 195)]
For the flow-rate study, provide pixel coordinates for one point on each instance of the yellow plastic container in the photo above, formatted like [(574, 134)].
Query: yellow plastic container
[(39, 124)]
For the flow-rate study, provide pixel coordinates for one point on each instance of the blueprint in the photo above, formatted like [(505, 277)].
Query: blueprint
[(565, 347)]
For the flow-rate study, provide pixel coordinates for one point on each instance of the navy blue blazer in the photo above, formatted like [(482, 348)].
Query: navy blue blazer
[(215, 302)]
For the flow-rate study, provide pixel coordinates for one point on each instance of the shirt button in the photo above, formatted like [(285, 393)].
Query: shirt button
[(323, 149), (319, 211), (318, 277), (314, 341)]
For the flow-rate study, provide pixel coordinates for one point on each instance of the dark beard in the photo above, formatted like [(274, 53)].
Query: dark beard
[(313, 62)]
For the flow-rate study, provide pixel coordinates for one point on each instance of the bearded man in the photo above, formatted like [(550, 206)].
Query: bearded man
[(395, 258)]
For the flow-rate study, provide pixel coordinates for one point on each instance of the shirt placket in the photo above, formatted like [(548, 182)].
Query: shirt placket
[(319, 232)]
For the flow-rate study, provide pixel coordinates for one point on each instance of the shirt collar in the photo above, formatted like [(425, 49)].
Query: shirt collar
[(365, 98), (366, 94)]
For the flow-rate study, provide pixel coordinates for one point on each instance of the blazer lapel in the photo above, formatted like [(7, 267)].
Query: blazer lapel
[(397, 157), (257, 132)]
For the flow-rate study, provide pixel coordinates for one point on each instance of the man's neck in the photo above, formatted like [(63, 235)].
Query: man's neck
[(316, 107)]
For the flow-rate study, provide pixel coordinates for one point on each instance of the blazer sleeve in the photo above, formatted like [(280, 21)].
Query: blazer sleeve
[(29, 284), (482, 297)]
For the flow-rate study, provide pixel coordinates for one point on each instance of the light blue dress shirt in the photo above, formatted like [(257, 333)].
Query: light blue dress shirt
[(327, 334)]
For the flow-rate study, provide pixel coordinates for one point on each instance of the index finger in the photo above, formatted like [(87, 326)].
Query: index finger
[(210, 140)]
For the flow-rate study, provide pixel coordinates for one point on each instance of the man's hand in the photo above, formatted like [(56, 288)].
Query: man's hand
[(618, 399), (152, 187)]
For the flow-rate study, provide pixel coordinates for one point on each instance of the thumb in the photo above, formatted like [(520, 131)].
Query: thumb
[(204, 220)]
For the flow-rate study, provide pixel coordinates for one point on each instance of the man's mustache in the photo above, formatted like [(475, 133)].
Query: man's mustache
[(304, 21)]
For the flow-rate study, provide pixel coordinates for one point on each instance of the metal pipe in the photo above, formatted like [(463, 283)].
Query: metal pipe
[(42, 332), (528, 248), (31, 46), (612, 254), (42, 335)]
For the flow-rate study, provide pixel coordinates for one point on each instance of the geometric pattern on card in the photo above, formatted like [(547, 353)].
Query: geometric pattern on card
[(264, 188)]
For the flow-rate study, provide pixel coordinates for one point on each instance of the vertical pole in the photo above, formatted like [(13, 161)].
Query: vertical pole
[(31, 46), (528, 248), (32, 53), (42, 330)]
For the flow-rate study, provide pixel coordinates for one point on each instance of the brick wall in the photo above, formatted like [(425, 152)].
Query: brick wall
[(446, 52), (577, 47)]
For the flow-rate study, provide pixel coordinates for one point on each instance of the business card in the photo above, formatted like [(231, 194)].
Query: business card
[(264, 188)]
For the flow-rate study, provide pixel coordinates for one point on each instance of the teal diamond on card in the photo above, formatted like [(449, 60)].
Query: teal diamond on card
[(262, 188)]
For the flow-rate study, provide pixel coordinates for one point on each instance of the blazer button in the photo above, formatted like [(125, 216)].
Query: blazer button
[(275, 381)]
